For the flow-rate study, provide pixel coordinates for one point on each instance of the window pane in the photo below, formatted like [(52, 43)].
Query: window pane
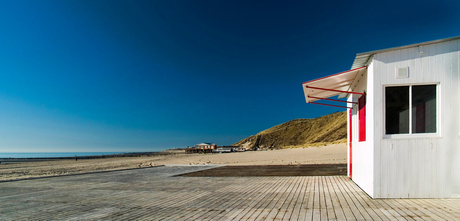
[(424, 109), (397, 110)]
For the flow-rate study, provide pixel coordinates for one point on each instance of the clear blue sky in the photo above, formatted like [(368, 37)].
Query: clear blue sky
[(150, 75)]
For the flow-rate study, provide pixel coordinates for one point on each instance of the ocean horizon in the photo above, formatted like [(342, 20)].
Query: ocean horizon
[(59, 154)]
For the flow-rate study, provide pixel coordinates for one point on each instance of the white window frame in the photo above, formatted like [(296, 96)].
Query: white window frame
[(411, 135)]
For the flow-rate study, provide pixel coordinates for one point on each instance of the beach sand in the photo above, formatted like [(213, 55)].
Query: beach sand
[(331, 154)]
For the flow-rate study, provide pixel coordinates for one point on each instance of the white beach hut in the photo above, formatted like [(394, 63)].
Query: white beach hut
[(404, 117)]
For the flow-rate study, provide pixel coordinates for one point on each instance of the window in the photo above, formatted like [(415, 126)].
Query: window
[(410, 109)]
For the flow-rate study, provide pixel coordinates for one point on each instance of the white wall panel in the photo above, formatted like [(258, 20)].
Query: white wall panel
[(423, 167), (362, 152)]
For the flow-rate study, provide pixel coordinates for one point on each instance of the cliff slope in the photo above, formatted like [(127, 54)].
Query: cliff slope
[(327, 129)]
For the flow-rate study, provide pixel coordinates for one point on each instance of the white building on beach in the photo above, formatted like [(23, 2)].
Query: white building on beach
[(404, 117)]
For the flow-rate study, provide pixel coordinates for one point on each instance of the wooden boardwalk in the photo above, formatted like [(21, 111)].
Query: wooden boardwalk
[(156, 194)]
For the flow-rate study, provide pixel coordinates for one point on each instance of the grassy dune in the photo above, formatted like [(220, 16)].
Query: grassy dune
[(329, 129)]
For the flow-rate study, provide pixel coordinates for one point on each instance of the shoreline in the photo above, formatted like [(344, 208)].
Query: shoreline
[(133, 154)]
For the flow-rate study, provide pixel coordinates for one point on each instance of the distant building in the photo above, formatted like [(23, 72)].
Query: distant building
[(202, 148), (227, 149), (205, 146)]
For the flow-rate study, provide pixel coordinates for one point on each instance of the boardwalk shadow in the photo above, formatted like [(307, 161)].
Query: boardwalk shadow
[(273, 170)]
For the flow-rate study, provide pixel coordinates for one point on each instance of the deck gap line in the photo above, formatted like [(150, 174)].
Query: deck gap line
[(229, 192), (343, 200), (279, 197), (356, 193), (290, 199), (360, 209), (329, 197), (428, 210), (278, 183), (261, 209), (272, 203), (259, 184), (237, 214), (302, 213), (255, 185), (297, 205), (437, 205), (372, 203)]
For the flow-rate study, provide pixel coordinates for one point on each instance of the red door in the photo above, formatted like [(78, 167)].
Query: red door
[(362, 118)]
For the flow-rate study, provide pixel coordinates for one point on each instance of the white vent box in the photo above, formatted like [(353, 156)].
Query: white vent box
[(402, 73)]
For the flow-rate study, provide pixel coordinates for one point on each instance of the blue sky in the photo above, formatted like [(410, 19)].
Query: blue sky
[(151, 75)]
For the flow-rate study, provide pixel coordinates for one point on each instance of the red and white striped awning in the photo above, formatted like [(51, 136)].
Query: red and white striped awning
[(332, 85)]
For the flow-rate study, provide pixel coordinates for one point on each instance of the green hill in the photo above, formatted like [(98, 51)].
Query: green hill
[(327, 129)]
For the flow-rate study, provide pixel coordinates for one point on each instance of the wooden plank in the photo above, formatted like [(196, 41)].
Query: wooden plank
[(316, 204), (322, 200), (358, 210), (276, 206), (232, 194), (233, 206), (298, 201), (346, 207), (374, 205), (448, 205), (258, 193), (437, 210), (362, 206), (248, 213), (267, 207), (288, 210), (387, 207), (171, 205), (312, 198), (410, 205), (177, 198), (422, 209), (368, 204), (255, 209), (174, 205), (287, 206), (329, 206), (216, 198), (259, 206), (306, 201), (405, 213), (334, 201)]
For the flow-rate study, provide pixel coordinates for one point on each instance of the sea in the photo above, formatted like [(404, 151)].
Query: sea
[(54, 154)]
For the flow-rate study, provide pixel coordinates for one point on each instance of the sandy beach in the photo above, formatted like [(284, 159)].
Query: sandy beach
[(331, 154)]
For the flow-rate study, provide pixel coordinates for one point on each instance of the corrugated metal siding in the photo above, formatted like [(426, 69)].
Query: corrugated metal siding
[(364, 58), (422, 167)]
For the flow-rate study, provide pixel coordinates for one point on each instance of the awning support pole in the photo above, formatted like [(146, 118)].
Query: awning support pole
[(325, 89), (319, 98), (330, 105)]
